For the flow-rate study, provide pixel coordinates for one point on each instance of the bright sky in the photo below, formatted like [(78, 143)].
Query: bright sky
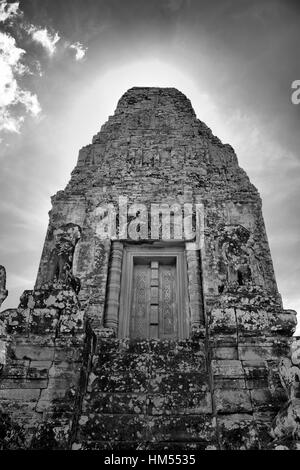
[(65, 64)]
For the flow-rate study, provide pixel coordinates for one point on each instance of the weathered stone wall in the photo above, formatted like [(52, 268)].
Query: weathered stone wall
[(221, 388), (43, 346), (286, 426), (147, 395), (155, 150), (3, 291)]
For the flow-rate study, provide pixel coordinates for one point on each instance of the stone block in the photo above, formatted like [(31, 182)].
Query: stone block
[(180, 348), (227, 352), (177, 403), (18, 383), (183, 361), (264, 399), (122, 382), (57, 391), (266, 349), (71, 323), (39, 369), (68, 354), (15, 369), (252, 322), (256, 373), (21, 412), (232, 401), (34, 352), (182, 428), (19, 394), (17, 321), (43, 321), (165, 383), (59, 403), (227, 368), (117, 403), (238, 432), (65, 369), (112, 427), (222, 321), (283, 323), (228, 383), (129, 446)]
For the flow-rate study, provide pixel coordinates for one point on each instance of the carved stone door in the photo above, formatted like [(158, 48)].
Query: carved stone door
[(154, 312), (153, 294)]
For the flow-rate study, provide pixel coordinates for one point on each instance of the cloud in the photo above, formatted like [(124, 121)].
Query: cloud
[(79, 49), (10, 123), (15, 64), (30, 102), (11, 93), (13, 68), (45, 38), (8, 10)]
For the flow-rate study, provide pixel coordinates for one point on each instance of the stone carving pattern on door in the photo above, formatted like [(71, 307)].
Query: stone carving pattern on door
[(167, 302), (140, 317)]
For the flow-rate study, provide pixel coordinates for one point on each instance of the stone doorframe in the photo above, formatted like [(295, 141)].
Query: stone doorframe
[(189, 279)]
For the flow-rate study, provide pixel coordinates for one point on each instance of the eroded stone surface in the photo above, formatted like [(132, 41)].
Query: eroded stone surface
[(3, 290)]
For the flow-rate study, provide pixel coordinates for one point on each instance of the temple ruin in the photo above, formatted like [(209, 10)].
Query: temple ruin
[(144, 335)]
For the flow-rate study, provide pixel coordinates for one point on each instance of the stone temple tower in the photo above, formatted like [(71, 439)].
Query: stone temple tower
[(155, 321)]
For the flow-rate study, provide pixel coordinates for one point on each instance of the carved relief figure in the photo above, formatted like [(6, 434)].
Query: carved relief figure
[(61, 258), (234, 264), (290, 372), (3, 291), (286, 424)]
